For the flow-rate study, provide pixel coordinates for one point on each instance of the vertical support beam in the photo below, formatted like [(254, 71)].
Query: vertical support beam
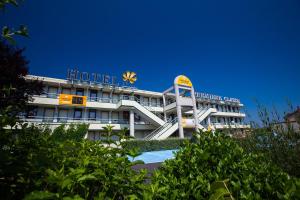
[(55, 114), (59, 90), (179, 114), (109, 117), (86, 92), (195, 109), (110, 96), (208, 121), (164, 107), (131, 123), (46, 90), (85, 114)]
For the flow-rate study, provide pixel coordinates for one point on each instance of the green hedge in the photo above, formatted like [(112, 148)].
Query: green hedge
[(155, 145)]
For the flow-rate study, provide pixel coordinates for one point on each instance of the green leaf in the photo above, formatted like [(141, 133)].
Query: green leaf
[(36, 195), (219, 193), (87, 178)]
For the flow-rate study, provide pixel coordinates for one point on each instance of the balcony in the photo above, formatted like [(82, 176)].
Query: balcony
[(230, 125), (52, 99)]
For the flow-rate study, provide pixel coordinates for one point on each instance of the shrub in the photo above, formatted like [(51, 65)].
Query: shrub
[(280, 147), (155, 145), (212, 158), (280, 142), (71, 132), (35, 165)]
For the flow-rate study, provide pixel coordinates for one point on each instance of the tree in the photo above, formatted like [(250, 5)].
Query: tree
[(15, 91), (8, 33)]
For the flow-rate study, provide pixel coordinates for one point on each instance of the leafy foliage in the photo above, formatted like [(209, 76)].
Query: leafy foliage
[(70, 132), (40, 165), (155, 145), (217, 157), (15, 91), (280, 142), (8, 33)]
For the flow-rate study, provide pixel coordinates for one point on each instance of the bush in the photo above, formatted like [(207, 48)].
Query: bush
[(35, 165), (155, 145), (71, 132), (280, 142), (280, 147), (212, 158)]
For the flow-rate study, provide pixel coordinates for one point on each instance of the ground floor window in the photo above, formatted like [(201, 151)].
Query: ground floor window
[(77, 114), (92, 115)]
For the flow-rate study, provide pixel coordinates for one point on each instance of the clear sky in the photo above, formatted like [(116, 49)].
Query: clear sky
[(246, 49)]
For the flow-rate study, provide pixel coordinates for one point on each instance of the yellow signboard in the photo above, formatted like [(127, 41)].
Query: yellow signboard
[(183, 80), (188, 123), (73, 100)]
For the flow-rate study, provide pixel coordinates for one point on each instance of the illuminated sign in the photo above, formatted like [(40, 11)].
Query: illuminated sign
[(74, 100), (183, 80), (216, 97), (188, 123), (74, 75), (129, 77)]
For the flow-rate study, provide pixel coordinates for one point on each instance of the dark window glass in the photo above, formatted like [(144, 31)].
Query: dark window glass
[(92, 114), (80, 92), (93, 95), (126, 115), (31, 112), (77, 100), (77, 114)]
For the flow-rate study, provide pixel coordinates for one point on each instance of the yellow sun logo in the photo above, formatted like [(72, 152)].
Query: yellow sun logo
[(129, 77)]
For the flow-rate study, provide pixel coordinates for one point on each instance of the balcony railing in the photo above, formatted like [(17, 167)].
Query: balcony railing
[(42, 119), (107, 99)]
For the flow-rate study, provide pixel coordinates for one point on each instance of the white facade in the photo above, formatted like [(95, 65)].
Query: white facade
[(142, 112)]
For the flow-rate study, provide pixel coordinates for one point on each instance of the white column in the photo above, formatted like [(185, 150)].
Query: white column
[(109, 116), (195, 109), (85, 114), (208, 121), (164, 105), (179, 114), (110, 97), (131, 121), (55, 114)]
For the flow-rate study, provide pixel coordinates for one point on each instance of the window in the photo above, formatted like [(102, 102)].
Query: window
[(105, 97), (126, 115), (48, 114), (93, 95), (79, 92), (77, 114), (233, 109), (63, 115), (105, 116), (66, 91), (115, 98), (154, 102), (52, 92), (115, 117), (77, 100), (31, 112), (229, 108), (92, 115), (146, 101)]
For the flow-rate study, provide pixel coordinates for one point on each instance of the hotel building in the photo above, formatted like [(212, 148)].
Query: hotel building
[(98, 101)]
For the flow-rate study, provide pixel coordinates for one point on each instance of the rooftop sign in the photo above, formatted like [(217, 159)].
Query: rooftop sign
[(92, 78), (183, 80), (207, 96)]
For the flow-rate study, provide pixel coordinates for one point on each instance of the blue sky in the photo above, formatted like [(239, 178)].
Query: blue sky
[(246, 49)]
